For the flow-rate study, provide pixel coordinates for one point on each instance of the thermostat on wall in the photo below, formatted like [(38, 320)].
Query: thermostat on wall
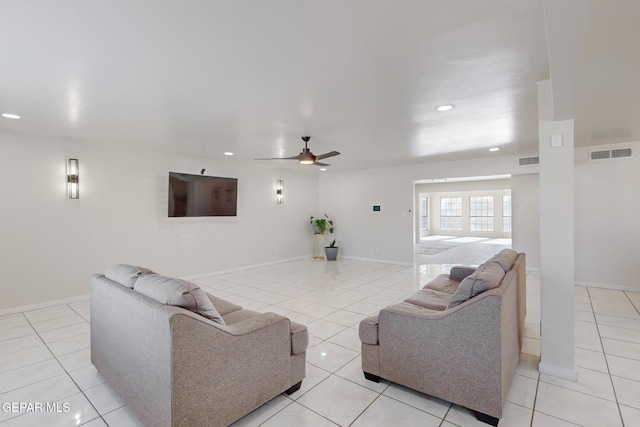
[(376, 208)]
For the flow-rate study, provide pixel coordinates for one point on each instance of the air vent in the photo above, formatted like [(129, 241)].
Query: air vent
[(610, 154), (621, 152), (600, 155), (526, 161)]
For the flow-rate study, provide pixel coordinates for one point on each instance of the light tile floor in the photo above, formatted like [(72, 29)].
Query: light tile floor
[(44, 356)]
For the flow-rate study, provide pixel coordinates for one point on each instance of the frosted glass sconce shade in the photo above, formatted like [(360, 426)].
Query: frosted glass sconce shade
[(280, 191), (73, 179)]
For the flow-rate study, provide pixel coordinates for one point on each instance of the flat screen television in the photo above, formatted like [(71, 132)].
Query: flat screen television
[(201, 195)]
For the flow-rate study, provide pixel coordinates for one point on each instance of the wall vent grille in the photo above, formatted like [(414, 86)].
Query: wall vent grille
[(610, 154), (621, 152), (600, 155), (527, 161)]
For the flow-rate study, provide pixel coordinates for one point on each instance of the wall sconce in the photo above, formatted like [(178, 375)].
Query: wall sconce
[(280, 191), (73, 179)]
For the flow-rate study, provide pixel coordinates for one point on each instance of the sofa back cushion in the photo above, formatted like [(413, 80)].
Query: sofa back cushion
[(487, 276), (223, 306), (179, 293), (505, 258), (125, 274)]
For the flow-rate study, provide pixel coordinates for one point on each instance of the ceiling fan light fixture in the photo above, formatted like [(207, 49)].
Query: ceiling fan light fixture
[(445, 107), (306, 157)]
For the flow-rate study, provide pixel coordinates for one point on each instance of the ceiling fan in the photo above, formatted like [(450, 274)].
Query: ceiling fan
[(306, 157)]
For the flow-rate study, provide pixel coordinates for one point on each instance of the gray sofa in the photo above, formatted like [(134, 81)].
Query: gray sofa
[(457, 339), (181, 357)]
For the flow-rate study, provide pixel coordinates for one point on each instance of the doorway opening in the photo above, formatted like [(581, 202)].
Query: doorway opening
[(461, 220)]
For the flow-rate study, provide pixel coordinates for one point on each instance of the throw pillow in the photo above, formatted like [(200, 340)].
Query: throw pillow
[(487, 276), (179, 293), (125, 274), (459, 272)]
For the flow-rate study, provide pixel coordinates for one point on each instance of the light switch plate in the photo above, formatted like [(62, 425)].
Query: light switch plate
[(556, 140)]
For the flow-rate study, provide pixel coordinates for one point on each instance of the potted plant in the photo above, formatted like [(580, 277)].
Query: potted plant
[(331, 251), (320, 226)]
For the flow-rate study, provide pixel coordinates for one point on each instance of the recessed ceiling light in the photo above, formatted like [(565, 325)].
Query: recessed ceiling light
[(494, 149), (323, 169), (228, 153), (445, 107), (10, 116)]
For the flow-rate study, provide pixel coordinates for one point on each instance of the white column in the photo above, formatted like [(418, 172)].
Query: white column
[(556, 146)]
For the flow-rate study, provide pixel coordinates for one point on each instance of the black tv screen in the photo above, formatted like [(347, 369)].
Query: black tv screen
[(201, 195)]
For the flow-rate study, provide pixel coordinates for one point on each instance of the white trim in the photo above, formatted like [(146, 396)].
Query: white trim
[(246, 267), (570, 374), (46, 304), (381, 261), (607, 286)]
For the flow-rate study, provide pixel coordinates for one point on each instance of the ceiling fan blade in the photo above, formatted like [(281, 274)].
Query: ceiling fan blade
[(329, 154), (280, 158), (306, 157)]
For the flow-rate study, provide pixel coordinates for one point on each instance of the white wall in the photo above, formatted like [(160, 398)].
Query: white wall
[(361, 233), (525, 208), (50, 244), (607, 202), (388, 235), (607, 225)]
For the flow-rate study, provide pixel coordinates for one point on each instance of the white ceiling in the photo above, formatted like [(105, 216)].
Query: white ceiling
[(362, 77)]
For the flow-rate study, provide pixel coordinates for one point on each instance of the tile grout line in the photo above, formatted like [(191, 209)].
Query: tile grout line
[(67, 372), (631, 301), (606, 360)]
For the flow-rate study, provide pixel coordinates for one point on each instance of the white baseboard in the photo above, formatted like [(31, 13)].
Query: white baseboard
[(608, 286), (246, 267), (46, 304), (378, 260), (570, 374)]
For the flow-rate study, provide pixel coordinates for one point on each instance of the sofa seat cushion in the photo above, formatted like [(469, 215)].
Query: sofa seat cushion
[(429, 298), (487, 276), (126, 274), (223, 306), (443, 283), (299, 338), (368, 330), (505, 258), (179, 293)]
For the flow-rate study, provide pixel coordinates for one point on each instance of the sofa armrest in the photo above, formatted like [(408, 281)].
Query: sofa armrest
[(253, 324), (299, 338), (231, 369), (368, 330), (459, 272)]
